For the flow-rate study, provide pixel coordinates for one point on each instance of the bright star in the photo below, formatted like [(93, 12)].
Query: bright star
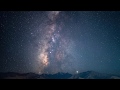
[(76, 71)]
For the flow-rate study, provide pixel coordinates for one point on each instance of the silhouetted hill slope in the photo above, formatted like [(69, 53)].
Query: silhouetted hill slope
[(12, 75), (57, 76), (91, 75), (60, 75)]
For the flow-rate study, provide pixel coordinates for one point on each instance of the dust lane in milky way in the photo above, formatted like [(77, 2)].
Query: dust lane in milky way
[(53, 46)]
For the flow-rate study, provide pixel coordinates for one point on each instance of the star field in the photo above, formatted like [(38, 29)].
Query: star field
[(60, 41)]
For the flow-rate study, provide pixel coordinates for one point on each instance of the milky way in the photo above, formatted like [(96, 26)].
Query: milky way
[(60, 41), (52, 50)]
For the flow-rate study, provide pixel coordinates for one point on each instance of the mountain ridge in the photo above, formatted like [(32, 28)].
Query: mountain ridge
[(59, 75)]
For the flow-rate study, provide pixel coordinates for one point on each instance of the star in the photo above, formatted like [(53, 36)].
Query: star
[(60, 41), (77, 72)]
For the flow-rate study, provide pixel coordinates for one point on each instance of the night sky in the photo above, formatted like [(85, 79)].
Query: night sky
[(60, 41)]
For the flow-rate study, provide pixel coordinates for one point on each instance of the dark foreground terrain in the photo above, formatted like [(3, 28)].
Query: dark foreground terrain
[(83, 75)]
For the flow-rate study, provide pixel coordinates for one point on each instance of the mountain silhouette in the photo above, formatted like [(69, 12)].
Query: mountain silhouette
[(59, 75), (91, 75)]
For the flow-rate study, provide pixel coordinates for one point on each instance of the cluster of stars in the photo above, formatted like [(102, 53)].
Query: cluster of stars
[(60, 41)]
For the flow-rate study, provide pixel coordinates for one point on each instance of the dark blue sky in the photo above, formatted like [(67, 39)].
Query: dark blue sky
[(66, 41)]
